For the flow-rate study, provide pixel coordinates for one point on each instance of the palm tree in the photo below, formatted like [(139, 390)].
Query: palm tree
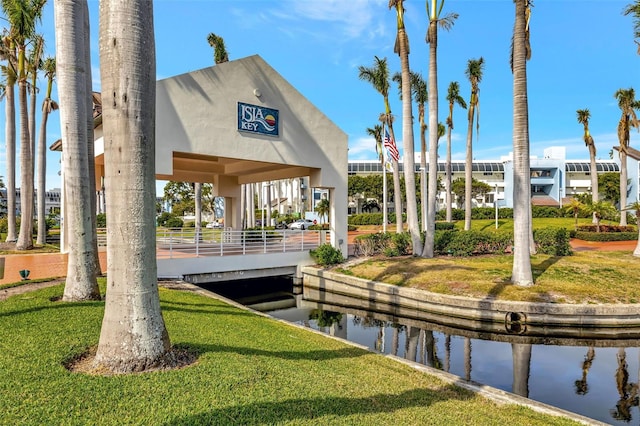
[(323, 208), (633, 9), (474, 74), (453, 96), (81, 281), (434, 12), (583, 118), (402, 49), (520, 53), (628, 105), (376, 132), (635, 207), (220, 54), (133, 335), (48, 105), (575, 206), (421, 96), (34, 63), (378, 76), (601, 210), (23, 17), (9, 54)]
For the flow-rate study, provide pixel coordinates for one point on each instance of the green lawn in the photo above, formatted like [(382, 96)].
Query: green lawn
[(250, 370)]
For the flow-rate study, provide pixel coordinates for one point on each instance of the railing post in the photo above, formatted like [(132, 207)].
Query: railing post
[(222, 236), (170, 244)]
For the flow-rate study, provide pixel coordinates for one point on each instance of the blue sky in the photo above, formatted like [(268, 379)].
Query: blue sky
[(583, 51)]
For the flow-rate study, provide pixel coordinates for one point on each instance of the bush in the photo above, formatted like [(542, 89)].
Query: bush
[(468, 243), (326, 254), (173, 222), (606, 236), (401, 243), (101, 220), (605, 228), (442, 226), (546, 211), (553, 241), (371, 244)]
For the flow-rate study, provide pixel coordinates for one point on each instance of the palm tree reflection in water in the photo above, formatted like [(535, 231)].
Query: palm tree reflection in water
[(582, 387), (628, 391)]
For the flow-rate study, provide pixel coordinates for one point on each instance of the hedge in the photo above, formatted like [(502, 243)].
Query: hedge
[(606, 236)]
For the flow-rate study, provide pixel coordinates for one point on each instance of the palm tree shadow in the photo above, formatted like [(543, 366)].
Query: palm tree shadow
[(542, 267), (316, 355), (278, 412)]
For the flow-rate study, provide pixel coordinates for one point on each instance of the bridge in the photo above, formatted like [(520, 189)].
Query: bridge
[(212, 255)]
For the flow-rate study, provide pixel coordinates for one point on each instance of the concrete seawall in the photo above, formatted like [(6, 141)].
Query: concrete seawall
[(517, 317)]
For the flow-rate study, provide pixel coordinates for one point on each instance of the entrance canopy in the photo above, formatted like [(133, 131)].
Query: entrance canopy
[(241, 122)]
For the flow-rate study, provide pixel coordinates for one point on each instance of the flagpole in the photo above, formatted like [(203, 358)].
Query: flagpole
[(384, 187)]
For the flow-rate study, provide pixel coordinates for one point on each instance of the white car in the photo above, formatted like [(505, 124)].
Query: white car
[(214, 224), (301, 224)]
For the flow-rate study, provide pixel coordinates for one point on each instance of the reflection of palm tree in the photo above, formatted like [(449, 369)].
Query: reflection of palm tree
[(447, 352), (582, 388), (467, 358), (411, 350), (521, 368), (628, 391)]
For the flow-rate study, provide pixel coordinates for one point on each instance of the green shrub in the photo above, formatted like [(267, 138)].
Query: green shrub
[(351, 228), (605, 228), (173, 222), (606, 236), (547, 211), (372, 244), (468, 243), (443, 226), (326, 254), (442, 240), (101, 220), (401, 242), (553, 241)]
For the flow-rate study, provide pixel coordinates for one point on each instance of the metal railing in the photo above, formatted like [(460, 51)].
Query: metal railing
[(189, 242)]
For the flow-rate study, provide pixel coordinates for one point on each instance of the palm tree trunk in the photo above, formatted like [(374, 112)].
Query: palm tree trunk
[(447, 181), (468, 170), (81, 283), (93, 235), (595, 196), (429, 239), (10, 134), (407, 144), (423, 178), (133, 335), (521, 273), (25, 237), (623, 188), (42, 171)]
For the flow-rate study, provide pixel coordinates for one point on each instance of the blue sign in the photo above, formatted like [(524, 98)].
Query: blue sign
[(257, 119)]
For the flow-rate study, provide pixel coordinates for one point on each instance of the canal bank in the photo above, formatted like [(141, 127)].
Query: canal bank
[(490, 392)]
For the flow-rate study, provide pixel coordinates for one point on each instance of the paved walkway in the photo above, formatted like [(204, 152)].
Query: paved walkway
[(54, 265)]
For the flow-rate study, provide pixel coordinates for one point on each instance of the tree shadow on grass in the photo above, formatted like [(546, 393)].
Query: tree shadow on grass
[(314, 355), (413, 266), (329, 408), (542, 267)]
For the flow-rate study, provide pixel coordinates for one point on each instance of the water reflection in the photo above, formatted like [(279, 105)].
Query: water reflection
[(584, 370), (543, 368)]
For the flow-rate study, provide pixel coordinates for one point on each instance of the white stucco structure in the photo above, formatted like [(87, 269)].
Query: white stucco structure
[(198, 137)]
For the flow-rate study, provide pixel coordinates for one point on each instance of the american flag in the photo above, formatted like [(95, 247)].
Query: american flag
[(390, 144)]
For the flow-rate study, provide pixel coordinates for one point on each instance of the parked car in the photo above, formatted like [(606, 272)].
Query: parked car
[(301, 224), (214, 224), (281, 225)]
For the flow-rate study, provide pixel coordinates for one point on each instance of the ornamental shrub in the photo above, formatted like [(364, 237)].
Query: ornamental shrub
[(326, 254), (606, 236), (553, 241)]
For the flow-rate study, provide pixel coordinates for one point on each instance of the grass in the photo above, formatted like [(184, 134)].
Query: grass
[(585, 277), (250, 370)]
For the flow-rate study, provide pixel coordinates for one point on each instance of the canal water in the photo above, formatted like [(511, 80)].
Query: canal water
[(592, 376)]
